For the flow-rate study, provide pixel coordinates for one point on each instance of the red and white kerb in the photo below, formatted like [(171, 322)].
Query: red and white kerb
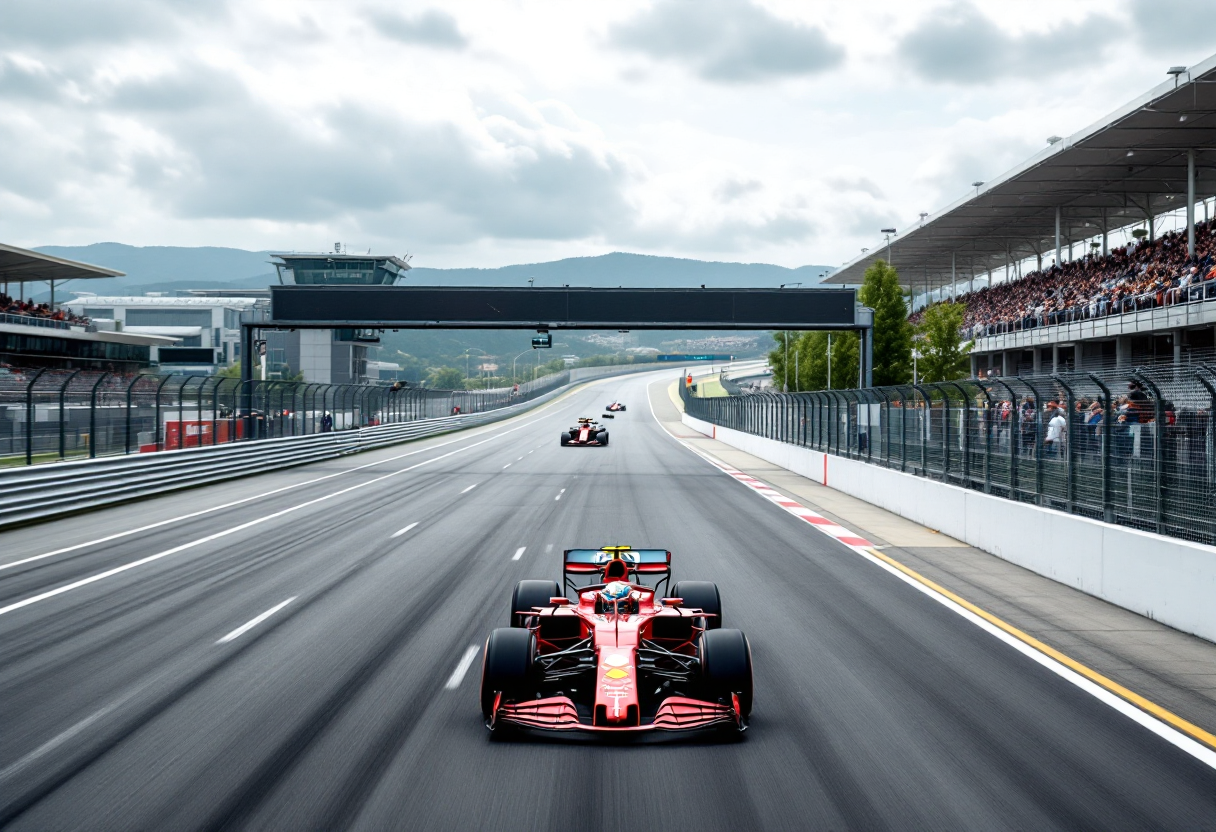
[(829, 527)]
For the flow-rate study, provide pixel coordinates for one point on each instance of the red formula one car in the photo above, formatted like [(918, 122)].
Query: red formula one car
[(586, 432), (620, 657)]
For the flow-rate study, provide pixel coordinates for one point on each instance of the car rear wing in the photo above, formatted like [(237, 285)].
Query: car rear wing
[(640, 563)]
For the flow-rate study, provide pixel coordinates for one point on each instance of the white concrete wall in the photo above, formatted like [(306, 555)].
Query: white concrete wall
[(1169, 580)]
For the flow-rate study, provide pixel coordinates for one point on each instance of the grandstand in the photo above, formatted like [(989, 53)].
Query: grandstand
[(44, 335), (1062, 261)]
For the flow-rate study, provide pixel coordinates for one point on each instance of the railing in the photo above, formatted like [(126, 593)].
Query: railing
[(33, 320), (1137, 448), (54, 415)]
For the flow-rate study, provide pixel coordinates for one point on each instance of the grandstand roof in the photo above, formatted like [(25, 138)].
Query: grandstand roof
[(19, 264), (1113, 173)]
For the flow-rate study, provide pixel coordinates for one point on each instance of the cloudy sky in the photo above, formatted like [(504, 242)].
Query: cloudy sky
[(478, 133)]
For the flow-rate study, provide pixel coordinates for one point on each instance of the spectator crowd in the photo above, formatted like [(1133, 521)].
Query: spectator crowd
[(28, 308), (1140, 275)]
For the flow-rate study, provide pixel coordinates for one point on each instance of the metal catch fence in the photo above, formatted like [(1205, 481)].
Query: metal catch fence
[(1133, 447), (56, 415)]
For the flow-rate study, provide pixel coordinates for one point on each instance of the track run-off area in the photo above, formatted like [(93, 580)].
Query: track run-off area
[(301, 650)]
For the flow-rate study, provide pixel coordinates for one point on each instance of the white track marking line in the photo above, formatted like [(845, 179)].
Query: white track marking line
[(59, 590), (400, 532), (253, 622), (466, 661), (519, 553), (548, 548), (559, 495), (505, 467), (1169, 734), (470, 488), (262, 495)]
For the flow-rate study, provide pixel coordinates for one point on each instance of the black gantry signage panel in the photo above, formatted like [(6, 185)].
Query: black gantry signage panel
[(464, 307)]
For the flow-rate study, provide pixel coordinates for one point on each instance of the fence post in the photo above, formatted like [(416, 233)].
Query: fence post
[(966, 435), (1038, 441), (159, 444), (93, 415), (1014, 431), (903, 432), (1070, 403), (848, 424), (130, 388), (29, 417), (885, 417), (1210, 442), (941, 388), (198, 407), (926, 431), (181, 412), (987, 439), (1159, 479), (63, 391), (1108, 508)]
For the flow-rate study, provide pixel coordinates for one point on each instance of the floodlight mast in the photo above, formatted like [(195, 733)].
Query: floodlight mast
[(889, 232)]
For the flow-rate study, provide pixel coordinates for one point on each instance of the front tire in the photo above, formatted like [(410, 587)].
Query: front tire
[(529, 594), (602, 437), (702, 595), (565, 439), (508, 667), (726, 667)]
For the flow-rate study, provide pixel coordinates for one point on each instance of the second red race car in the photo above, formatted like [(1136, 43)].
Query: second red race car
[(621, 657), (586, 432)]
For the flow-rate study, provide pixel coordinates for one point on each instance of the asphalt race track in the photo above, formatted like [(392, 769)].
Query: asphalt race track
[(136, 697)]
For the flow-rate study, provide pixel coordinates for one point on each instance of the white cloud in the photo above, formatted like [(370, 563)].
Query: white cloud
[(728, 41)]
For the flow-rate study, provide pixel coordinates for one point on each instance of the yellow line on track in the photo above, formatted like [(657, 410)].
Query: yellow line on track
[(1168, 717)]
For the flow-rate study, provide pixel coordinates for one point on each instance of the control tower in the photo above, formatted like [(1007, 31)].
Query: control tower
[(339, 269), (329, 356)]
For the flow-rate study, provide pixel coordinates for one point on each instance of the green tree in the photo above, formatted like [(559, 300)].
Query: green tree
[(776, 358), (944, 356), (846, 351), (445, 378), (809, 361), (231, 371), (812, 363), (892, 333)]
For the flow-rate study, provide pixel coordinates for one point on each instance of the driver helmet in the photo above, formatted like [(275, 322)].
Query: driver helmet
[(615, 591)]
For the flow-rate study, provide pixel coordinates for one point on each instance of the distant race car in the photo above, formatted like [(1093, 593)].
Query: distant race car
[(615, 407), (586, 432), (620, 657)]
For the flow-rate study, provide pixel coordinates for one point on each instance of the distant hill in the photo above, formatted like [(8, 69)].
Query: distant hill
[(169, 269), (622, 269)]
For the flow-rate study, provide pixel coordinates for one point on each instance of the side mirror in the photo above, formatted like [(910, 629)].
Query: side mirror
[(672, 602), (559, 601)]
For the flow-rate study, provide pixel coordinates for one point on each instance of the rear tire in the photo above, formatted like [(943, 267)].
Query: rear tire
[(509, 667), (726, 667), (529, 594), (702, 595)]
